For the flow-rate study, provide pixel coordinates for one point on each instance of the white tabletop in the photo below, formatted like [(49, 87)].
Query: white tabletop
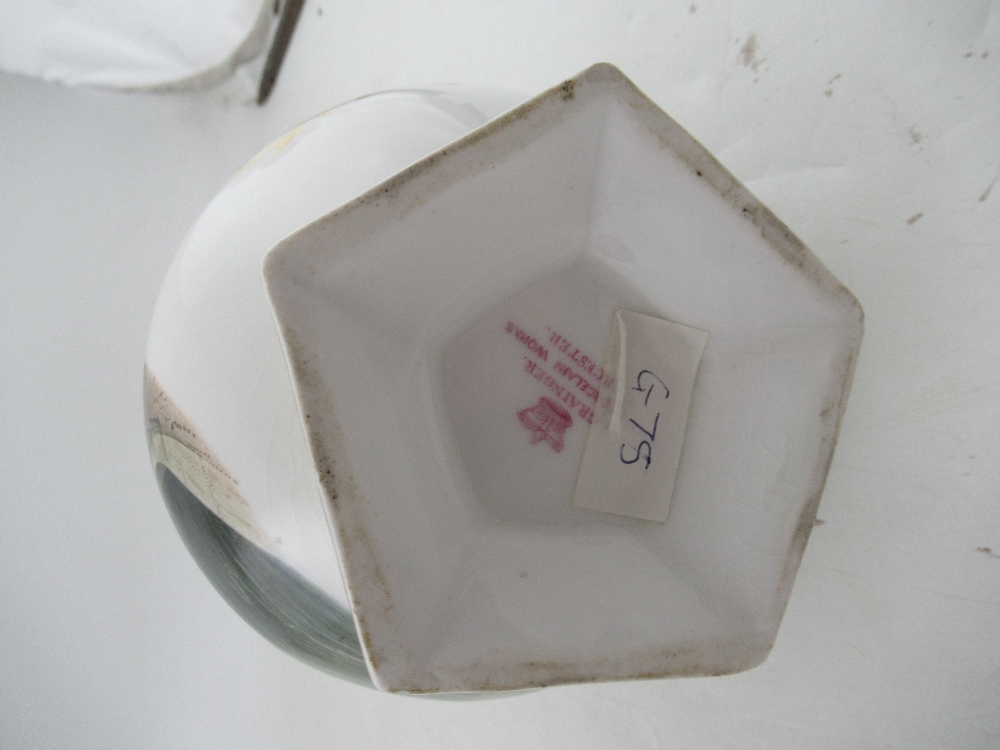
[(870, 128)]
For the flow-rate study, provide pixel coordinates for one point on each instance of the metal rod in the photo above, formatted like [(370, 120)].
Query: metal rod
[(279, 46)]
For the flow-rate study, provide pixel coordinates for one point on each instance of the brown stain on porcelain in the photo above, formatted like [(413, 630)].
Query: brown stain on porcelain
[(332, 463), (561, 101), (672, 137), (703, 659), (411, 178), (833, 415)]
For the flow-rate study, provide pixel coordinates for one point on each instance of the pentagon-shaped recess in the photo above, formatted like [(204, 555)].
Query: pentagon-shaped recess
[(411, 317)]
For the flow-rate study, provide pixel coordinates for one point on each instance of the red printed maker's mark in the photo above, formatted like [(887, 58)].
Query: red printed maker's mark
[(573, 383), (546, 421)]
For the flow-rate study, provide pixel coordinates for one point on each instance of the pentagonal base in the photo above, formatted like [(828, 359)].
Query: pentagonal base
[(425, 323)]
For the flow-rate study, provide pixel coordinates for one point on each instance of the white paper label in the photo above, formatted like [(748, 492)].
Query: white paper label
[(634, 443)]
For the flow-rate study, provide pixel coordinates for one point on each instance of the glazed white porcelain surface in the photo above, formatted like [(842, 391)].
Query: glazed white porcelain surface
[(213, 346), (410, 317)]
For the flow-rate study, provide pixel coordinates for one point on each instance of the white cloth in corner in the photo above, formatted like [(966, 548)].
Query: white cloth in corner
[(135, 44)]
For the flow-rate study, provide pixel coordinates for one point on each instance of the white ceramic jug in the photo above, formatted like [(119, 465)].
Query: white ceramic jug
[(399, 361)]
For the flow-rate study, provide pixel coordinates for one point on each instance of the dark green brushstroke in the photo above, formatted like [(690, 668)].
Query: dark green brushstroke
[(275, 600)]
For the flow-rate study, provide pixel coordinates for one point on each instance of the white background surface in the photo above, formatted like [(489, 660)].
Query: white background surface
[(871, 128)]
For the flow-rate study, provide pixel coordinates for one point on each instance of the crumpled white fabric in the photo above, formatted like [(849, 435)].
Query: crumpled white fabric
[(131, 43)]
